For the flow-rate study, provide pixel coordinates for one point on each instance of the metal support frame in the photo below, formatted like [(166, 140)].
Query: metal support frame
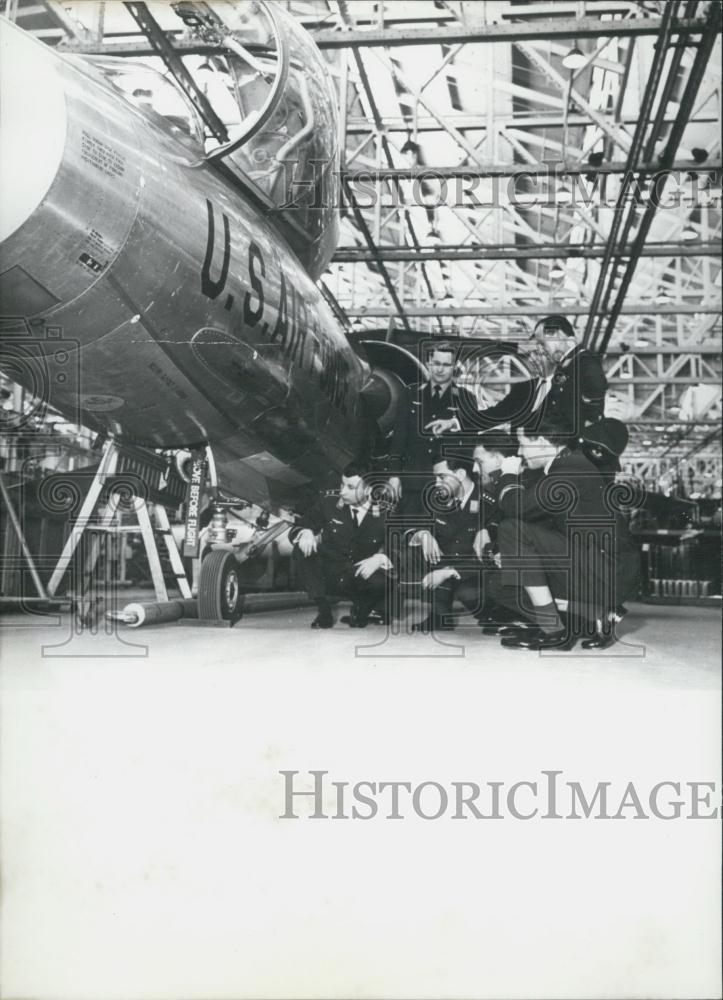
[(364, 229), (516, 251), (543, 309), (553, 168), (18, 529), (366, 87), (104, 524), (623, 209), (162, 47), (518, 31), (66, 22), (107, 467), (466, 122), (695, 77)]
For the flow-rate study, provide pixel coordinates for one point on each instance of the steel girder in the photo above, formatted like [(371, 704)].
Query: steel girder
[(516, 251), (520, 30)]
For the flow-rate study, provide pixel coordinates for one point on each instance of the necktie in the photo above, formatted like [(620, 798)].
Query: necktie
[(437, 392), (542, 391), (353, 512)]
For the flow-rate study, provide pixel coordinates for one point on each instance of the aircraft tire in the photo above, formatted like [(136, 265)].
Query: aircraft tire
[(219, 591)]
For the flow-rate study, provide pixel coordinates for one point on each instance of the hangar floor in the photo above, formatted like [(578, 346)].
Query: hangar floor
[(144, 853), (669, 645)]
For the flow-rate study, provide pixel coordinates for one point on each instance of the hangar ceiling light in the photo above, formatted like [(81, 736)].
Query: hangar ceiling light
[(574, 59)]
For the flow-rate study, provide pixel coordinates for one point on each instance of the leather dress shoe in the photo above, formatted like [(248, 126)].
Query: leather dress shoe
[(601, 640), (561, 640), (358, 616), (432, 624), (514, 628), (518, 631), (324, 619), (374, 618)]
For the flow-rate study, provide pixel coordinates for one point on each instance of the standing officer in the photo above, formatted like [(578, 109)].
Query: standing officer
[(339, 550), (431, 410), (569, 389), (573, 393)]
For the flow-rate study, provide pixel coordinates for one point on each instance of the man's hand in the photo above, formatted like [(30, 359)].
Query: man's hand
[(690, 533), (437, 577), (438, 427), (307, 542), (395, 485), (366, 567), (430, 548), (511, 464), (481, 541)]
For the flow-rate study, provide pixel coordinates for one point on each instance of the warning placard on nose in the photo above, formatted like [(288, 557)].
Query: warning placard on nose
[(101, 155)]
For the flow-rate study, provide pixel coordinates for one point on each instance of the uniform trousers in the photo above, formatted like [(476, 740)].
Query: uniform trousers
[(324, 578), (478, 588), (575, 568)]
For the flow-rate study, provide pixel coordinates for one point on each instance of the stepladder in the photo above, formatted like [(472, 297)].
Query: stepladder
[(112, 509)]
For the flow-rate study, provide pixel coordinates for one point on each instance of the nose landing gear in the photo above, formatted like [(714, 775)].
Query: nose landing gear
[(219, 588)]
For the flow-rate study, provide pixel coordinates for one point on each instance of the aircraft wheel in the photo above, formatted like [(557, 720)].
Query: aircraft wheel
[(219, 589)]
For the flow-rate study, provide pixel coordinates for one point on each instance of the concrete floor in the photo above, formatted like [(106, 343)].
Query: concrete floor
[(144, 855)]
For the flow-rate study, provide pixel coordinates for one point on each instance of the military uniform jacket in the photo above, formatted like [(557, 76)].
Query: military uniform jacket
[(569, 497), (414, 449), (455, 528), (577, 393), (489, 506), (342, 541), (576, 396), (572, 488)]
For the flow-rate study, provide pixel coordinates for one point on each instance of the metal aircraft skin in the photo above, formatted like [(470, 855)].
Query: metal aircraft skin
[(183, 315)]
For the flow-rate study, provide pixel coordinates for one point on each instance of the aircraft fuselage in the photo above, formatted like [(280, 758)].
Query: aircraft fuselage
[(188, 317)]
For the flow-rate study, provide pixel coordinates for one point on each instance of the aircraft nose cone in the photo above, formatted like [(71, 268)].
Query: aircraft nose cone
[(33, 117)]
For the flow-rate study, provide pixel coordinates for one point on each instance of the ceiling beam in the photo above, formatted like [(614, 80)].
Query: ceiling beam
[(517, 31), (543, 309), (563, 251), (462, 122), (553, 168)]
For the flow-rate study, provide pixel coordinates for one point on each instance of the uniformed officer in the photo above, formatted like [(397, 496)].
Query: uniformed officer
[(573, 394), (568, 388), (603, 444), (339, 550), (431, 410), (503, 601), (451, 547), (560, 525)]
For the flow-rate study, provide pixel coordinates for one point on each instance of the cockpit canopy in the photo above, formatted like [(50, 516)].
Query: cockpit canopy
[(270, 87), (267, 110)]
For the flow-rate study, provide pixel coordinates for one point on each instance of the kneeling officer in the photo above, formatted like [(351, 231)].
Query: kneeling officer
[(339, 550)]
